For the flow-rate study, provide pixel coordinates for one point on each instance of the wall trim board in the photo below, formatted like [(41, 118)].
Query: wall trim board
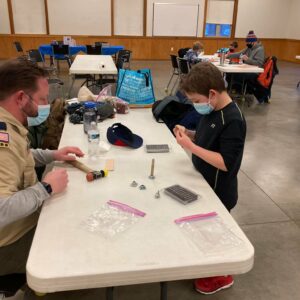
[(150, 48)]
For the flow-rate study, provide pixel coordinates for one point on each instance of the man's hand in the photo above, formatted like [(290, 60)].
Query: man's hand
[(63, 154), (58, 179), (244, 57), (183, 140)]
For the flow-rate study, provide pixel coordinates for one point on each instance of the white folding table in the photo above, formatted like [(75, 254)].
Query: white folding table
[(92, 65), (64, 256)]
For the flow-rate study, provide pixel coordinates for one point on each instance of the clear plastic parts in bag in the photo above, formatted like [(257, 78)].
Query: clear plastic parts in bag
[(209, 233), (113, 218)]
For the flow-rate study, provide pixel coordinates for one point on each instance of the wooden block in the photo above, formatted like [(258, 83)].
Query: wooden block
[(110, 164)]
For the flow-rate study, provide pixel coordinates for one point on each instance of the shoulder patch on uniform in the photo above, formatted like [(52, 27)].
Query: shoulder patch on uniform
[(3, 126), (4, 139)]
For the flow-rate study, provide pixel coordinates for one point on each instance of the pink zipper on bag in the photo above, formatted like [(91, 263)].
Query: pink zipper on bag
[(195, 217), (126, 207)]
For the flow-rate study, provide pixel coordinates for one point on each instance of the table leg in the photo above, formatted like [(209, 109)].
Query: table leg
[(71, 86), (110, 293), (163, 291)]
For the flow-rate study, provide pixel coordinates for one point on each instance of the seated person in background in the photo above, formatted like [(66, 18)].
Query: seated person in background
[(192, 54), (233, 46), (254, 54)]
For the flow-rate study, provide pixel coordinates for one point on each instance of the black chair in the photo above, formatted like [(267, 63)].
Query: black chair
[(175, 72), (10, 284), (19, 49), (183, 66), (94, 50), (125, 57), (35, 56), (101, 43), (61, 52), (182, 52)]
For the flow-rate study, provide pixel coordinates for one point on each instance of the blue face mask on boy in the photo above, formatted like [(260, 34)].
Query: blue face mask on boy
[(203, 108), (43, 113)]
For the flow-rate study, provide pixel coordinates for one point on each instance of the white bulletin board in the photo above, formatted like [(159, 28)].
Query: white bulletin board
[(173, 19)]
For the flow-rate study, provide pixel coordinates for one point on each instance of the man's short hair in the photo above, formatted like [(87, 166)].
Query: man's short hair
[(203, 77), (19, 74)]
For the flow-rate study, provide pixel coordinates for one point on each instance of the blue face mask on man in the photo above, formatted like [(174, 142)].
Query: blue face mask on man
[(203, 108), (43, 113)]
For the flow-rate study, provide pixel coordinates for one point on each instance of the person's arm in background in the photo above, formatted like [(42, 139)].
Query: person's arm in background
[(236, 54), (257, 57)]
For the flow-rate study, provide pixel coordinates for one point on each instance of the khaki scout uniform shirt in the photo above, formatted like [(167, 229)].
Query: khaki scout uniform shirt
[(16, 173)]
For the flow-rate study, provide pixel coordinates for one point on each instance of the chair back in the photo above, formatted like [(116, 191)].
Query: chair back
[(182, 52), (60, 49), (95, 50), (35, 56), (125, 55), (18, 47), (174, 61), (101, 44), (183, 66)]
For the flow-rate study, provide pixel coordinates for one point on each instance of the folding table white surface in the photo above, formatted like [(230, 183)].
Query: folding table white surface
[(92, 65), (64, 256)]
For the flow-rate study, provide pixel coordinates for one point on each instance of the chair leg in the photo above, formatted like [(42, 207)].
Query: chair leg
[(175, 84), (298, 84)]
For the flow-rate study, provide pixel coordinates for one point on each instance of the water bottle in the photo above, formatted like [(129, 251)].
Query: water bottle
[(89, 115), (222, 59), (93, 139)]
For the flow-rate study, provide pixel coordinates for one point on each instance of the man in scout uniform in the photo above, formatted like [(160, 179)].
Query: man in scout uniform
[(23, 100)]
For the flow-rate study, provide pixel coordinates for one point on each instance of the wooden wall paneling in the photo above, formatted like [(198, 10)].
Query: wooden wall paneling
[(150, 48)]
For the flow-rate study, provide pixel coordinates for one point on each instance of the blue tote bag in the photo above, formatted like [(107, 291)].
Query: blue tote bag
[(136, 87)]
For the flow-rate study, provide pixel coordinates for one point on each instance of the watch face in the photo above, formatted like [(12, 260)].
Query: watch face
[(47, 187)]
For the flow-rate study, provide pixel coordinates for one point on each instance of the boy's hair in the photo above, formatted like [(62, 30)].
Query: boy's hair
[(197, 46), (234, 44), (19, 74), (203, 77)]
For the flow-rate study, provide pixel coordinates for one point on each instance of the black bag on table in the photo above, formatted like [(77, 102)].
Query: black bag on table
[(172, 111)]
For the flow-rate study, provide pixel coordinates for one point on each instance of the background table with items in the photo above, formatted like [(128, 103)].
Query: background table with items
[(92, 65), (65, 256)]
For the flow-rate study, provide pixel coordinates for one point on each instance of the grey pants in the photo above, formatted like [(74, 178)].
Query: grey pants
[(13, 257)]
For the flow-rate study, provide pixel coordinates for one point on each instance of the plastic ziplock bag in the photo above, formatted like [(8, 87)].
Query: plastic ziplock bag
[(209, 233), (114, 217)]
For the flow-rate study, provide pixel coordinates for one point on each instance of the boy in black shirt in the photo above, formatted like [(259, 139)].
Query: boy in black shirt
[(216, 146)]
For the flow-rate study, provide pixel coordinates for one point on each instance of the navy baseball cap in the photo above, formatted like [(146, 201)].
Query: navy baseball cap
[(120, 135)]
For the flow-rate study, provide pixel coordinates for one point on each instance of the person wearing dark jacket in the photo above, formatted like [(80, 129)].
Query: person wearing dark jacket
[(217, 145)]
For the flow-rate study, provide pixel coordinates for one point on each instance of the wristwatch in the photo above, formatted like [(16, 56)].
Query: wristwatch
[(47, 187)]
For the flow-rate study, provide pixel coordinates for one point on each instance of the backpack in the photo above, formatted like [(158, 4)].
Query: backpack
[(172, 111), (270, 70)]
